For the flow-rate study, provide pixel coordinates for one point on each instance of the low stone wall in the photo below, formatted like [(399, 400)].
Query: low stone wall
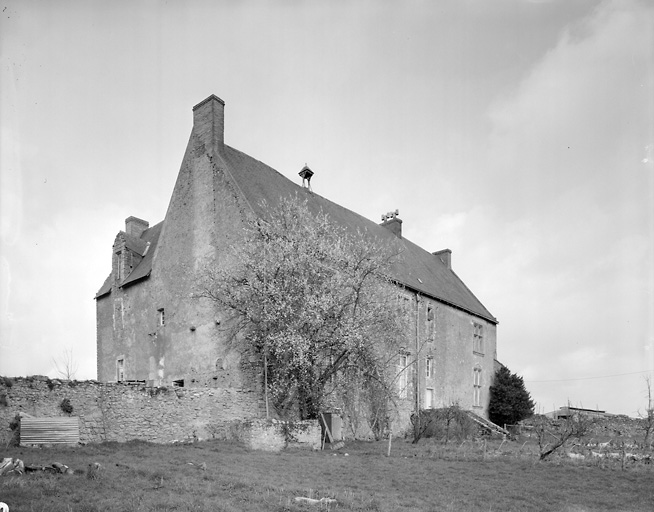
[(273, 435), (120, 412)]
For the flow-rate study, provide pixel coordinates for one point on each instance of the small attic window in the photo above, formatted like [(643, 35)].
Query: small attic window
[(179, 383), (120, 369), (119, 267)]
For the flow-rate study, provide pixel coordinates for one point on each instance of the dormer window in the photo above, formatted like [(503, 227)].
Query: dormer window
[(162, 316), (119, 266)]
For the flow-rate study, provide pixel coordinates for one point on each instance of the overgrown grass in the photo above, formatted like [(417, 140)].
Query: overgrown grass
[(138, 476)]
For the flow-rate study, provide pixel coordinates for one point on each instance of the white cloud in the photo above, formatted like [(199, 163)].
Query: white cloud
[(572, 287)]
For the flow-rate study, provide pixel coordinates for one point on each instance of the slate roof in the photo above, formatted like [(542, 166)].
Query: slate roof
[(142, 270), (418, 269)]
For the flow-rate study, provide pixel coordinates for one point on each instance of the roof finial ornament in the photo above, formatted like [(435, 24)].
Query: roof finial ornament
[(306, 174), (390, 215)]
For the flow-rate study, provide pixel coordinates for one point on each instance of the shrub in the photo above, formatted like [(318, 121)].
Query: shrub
[(66, 406), (13, 426), (510, 401), (446, 423)]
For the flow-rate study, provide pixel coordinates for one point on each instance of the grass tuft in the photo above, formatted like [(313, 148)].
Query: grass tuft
[(144, 477)]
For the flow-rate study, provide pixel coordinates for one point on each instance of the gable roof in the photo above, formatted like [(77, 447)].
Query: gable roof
[(150, 237), (418, 269), (260, 185)]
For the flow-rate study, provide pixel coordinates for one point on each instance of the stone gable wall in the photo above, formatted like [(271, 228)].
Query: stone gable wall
[(120, 411)]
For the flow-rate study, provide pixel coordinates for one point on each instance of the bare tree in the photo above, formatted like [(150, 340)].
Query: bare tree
[(66, 365), (648, 426), (574, 426)]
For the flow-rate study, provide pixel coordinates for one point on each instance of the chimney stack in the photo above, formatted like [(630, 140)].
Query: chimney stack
[(135, 226), (445, 256), (209, 121), (391, 222)]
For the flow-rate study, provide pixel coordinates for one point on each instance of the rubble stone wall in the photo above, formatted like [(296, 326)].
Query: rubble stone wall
[(273, 435), (120, 411)]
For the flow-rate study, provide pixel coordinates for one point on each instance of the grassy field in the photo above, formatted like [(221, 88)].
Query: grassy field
[(221, 476)]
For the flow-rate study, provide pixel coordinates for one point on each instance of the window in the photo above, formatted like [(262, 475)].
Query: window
[(430, 324), (429, 398), (404, 303), (403, 379), (120, 369), (162, 316), (429, 367), (476, 386), (478, 339), (119, 269)]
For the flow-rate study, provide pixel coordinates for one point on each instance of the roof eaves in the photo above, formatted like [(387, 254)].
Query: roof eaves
[(415, 289), (102, 294), (129, 282), (105, 289), (471, 293)]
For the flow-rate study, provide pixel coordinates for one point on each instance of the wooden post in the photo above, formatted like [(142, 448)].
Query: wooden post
[(390, 438)]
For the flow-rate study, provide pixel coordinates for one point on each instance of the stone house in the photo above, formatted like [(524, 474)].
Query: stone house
[(151, 328)]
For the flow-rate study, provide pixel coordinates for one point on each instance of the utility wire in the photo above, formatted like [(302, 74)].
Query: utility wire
[(588, 378)]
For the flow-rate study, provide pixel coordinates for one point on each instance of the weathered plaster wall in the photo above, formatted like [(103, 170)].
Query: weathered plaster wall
[(119, 412), (203, 223), (446, 337)]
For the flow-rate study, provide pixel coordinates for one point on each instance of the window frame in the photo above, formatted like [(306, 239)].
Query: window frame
[(476, 386), (120, 369), (478, 338), (119, 266), (431, 316), (403, 378), (429, 404)]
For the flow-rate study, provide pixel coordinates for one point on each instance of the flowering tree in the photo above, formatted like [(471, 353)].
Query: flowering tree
[(314, 301)]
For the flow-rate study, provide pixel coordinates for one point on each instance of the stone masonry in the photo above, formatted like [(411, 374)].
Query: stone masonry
[(122, 411)]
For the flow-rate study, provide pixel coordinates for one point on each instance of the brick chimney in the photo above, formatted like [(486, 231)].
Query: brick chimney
[(209, 121), (445, 256), (392, 222), (135, 226)]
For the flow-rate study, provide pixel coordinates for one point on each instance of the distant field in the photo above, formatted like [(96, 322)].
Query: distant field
[(138, 476)]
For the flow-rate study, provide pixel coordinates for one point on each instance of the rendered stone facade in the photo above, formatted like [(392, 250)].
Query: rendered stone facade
[(152, 327)]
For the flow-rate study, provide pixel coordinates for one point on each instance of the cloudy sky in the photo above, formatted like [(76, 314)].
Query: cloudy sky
[(519, 134)]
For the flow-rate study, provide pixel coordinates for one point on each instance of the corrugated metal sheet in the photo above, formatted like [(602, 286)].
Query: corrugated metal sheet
[(49, 431)]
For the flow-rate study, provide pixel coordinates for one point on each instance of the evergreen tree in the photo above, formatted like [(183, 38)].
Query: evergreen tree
[(510, 401)]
